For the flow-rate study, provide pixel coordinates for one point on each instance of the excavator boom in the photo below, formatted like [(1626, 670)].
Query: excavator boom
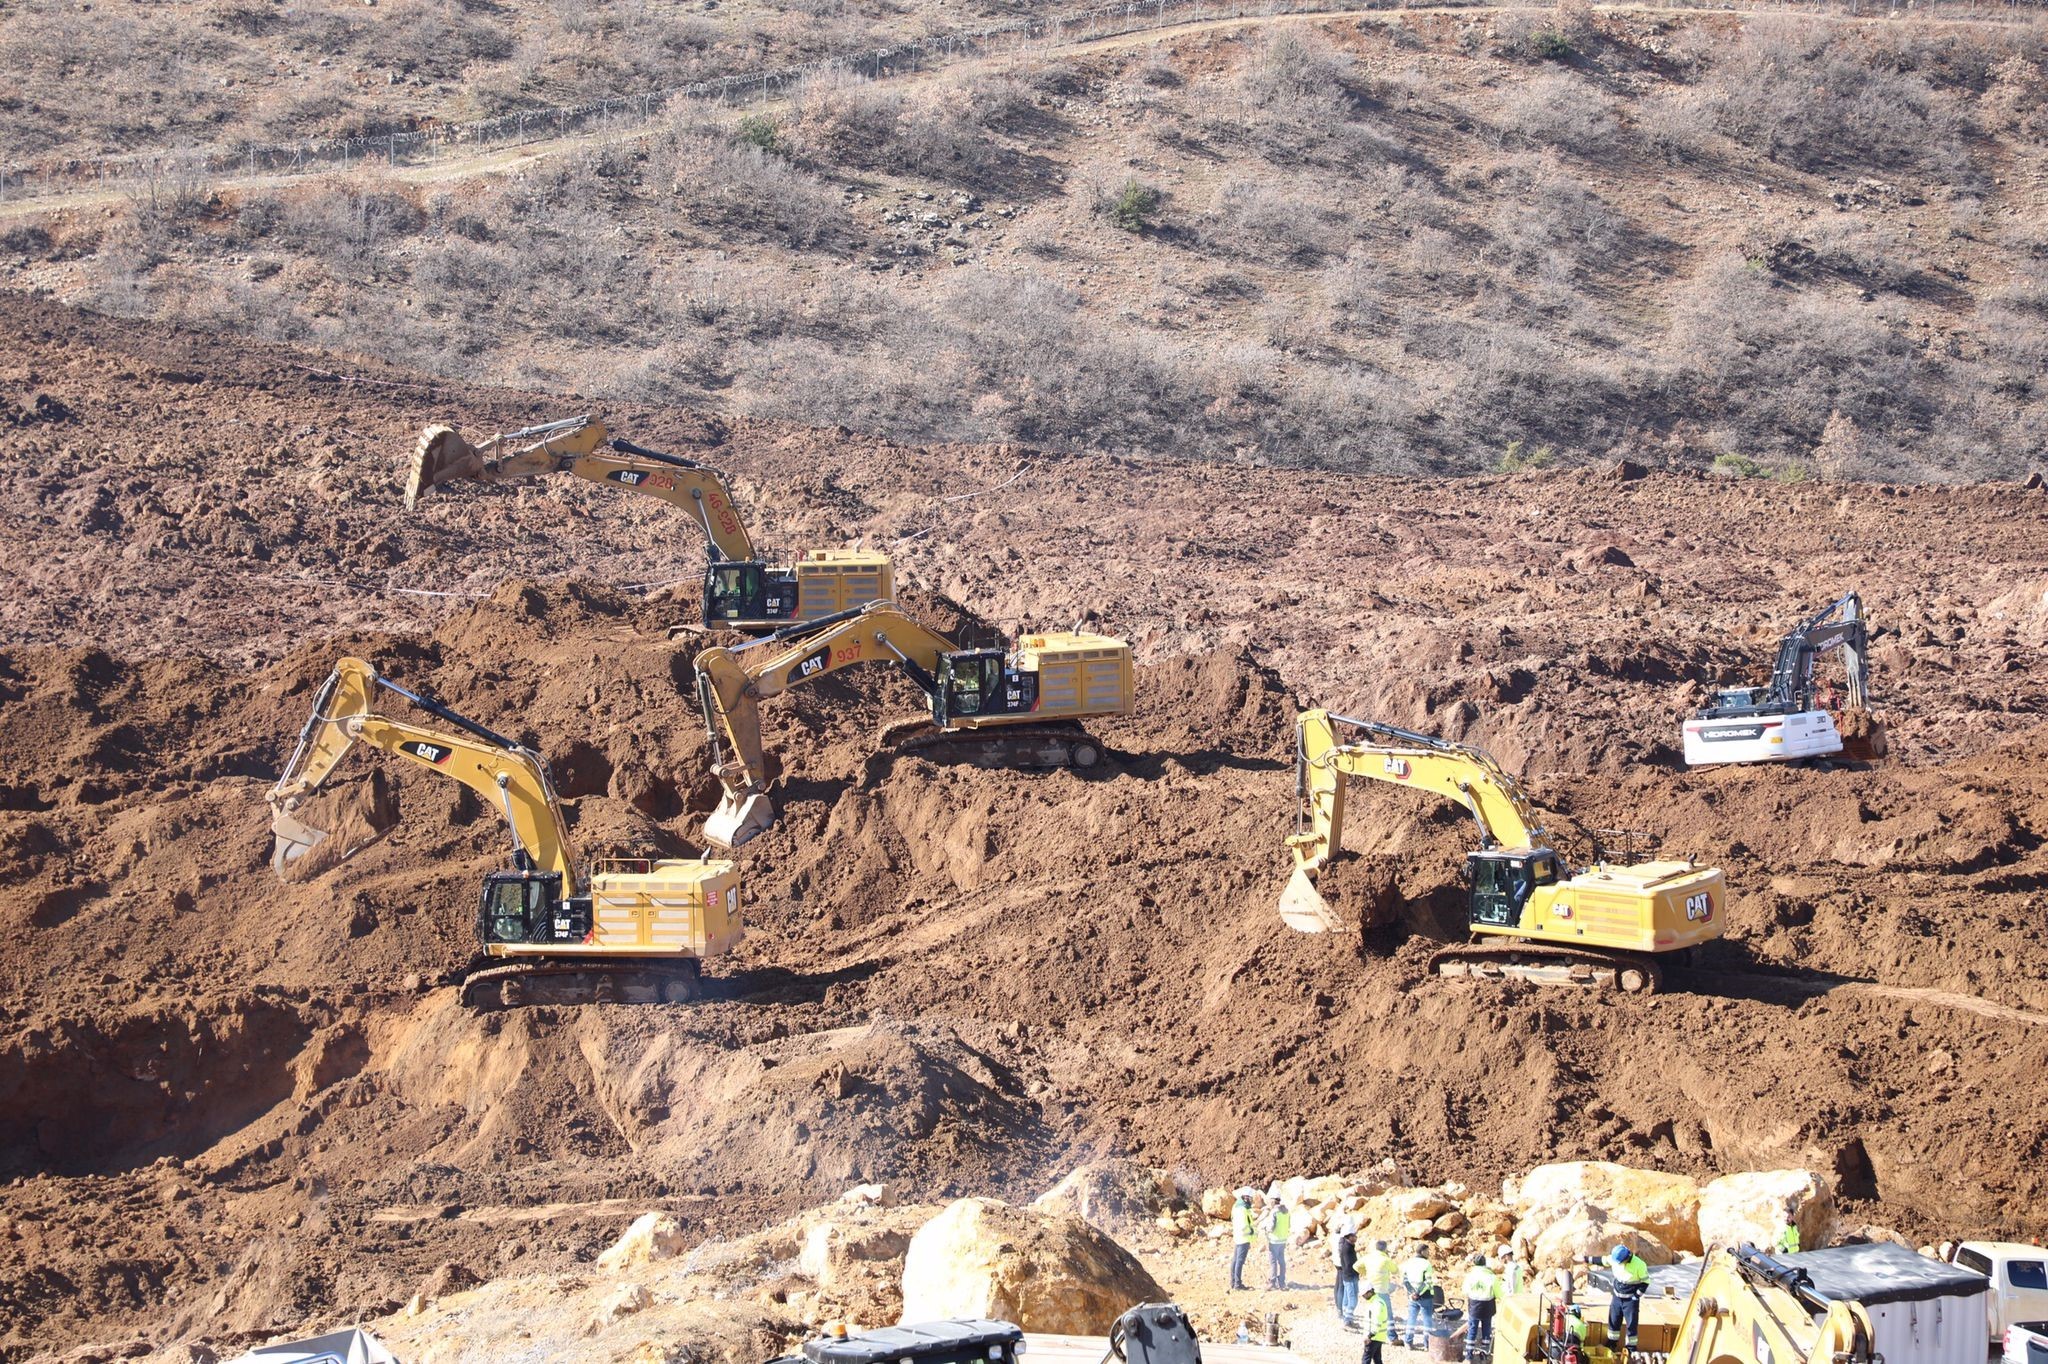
[(1751, 1308), (1022, 703), (582, 446), (1328, 748), (511, 778), (730, 692)]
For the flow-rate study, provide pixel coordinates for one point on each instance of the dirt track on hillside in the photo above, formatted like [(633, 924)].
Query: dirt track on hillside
[(228, 1101)]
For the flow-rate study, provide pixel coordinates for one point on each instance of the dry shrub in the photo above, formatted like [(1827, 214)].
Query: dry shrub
[(1551, 213), (1794, 89), (1261, 221), (345, 219), (1776, 361), (737, 187), (1557, 110), (844, 119)]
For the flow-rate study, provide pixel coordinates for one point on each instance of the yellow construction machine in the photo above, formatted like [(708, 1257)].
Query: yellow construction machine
[(1753, 1307), (1875, 1303), (1015, 707), (741, 591), (1532, 917), (635, 931)]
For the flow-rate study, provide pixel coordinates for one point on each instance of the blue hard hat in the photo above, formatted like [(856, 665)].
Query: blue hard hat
[(1620, 1254)]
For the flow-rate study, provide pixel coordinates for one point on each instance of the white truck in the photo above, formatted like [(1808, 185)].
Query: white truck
[(2019, 1283), (2026, 1342)]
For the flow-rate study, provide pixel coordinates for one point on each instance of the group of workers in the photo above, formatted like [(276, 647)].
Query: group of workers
[(1366, 1277), (1256, 1216)]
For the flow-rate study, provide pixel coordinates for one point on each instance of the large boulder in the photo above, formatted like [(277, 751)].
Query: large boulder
[(1663, 1206), (1583, 1231), (1113, 1193), (1749, 1207), (653, 1236), (1044, 1271)]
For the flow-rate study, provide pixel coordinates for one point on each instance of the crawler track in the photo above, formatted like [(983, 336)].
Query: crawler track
[(1042, 745), (1542, 964), (518, 984)]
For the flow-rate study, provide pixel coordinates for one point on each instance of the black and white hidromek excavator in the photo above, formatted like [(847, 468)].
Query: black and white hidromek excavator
[(1790, 717)]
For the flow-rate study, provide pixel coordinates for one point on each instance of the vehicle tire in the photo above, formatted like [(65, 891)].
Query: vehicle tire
[(1633, 980)]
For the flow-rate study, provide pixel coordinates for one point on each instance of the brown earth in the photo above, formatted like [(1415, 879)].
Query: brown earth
[(228, 1104)]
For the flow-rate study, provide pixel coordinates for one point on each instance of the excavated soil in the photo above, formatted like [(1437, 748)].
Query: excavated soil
[(229, 1104)]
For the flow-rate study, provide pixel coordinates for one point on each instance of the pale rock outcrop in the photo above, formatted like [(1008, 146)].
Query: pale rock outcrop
[(1749, 1206), (621, 1302), (1664, 1206), (653, 1236), (1045, 1272), (1114, 1193), (1582, 1231)]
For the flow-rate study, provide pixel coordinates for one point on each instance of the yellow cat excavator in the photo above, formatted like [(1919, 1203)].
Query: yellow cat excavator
[(1016, 707), (635, 932), (1532, 917), (741, 591)]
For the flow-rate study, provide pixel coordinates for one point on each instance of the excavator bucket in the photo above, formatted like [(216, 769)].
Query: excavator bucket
[(441, 456), (1302, 907), (294, 840), (739, 820), (1863, 735)]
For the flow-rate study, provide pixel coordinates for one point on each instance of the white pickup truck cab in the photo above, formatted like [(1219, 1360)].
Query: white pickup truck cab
[(2019, 1283)]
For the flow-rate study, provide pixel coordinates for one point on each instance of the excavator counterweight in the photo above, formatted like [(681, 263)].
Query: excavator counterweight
[(1531, 917), (741, 590), (633, 931), (1016, 707)]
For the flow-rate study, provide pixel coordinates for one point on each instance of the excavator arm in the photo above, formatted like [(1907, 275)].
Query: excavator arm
[(511, 778), (583, 447), (731, 690), (1752, 1308), (1329, 748)]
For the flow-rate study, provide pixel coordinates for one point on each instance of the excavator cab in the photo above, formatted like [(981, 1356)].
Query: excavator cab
[(1502, 881), (973, 683), (746, 590), (527, 907)]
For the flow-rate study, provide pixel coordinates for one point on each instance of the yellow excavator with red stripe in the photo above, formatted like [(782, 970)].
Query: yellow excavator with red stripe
[(635, 931), (1532, 917), (742, 591)]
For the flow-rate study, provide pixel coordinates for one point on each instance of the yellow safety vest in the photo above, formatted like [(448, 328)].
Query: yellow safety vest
[(1377, 1318), (1788, 1238), (1378, 1270), (1481, 1285), (1417, 1276), (1283, 1222), (1632, 1272), (1241, 1222)]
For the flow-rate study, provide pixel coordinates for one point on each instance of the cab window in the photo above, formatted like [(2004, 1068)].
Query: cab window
[(507, 913), (2027, 1273), (1970, 1259)]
